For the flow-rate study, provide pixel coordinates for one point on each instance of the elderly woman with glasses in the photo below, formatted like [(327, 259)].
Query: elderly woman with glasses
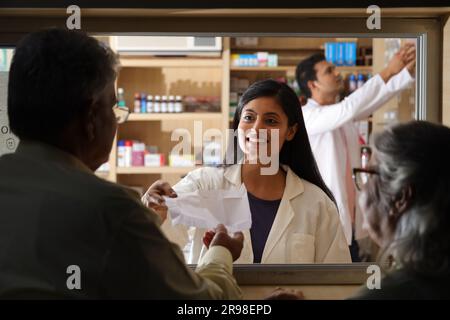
[(406, 203)]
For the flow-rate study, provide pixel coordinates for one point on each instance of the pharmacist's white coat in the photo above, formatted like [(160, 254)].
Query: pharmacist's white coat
[(306, 228), (330, 128)]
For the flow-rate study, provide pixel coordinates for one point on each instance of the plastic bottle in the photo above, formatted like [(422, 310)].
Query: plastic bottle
[(149, 104), (157, 104), (352, 83), (143, 103), (360, 81), (121, 153), (164, 104), (178, 104), (137, 103), (120, 98), (128, 152), (171, 104)]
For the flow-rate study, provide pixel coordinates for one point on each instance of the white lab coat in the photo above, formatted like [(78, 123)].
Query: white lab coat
[(332, 127), (306, 228)]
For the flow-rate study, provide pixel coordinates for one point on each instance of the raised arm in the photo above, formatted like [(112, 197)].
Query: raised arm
[(372, 95)]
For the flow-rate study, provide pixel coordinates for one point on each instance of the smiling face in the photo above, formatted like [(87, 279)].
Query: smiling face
[(261, 119), (329, 80)]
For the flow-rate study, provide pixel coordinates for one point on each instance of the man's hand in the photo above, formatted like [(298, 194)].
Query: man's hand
[(153, 198), (405, 57), (285, 294), (219, 237), (207, 237)]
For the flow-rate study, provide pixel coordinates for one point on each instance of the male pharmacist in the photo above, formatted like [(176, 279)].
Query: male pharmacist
[(64, 232), (330, 123)]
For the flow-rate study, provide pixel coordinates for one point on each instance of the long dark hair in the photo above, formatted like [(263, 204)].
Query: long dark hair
[(297, 153)]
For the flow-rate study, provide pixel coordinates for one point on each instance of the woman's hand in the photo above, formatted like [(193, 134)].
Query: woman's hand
[(154, 200), (159, 208)]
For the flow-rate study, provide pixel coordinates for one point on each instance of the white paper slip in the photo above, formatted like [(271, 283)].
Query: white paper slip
[(208, 208)]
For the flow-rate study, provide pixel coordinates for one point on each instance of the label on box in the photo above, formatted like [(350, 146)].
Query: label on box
[(153, 160), (186, 160)]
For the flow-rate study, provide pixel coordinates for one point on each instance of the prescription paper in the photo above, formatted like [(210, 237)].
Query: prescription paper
[(208, 208)]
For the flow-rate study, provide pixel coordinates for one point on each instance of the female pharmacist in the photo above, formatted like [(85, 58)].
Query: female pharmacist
[(294, 216)]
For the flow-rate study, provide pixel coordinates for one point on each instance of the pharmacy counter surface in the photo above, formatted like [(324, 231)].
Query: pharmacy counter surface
[(316, 281)]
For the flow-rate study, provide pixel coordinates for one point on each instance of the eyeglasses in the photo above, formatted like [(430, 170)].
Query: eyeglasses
[(121, 113), (361, 176)]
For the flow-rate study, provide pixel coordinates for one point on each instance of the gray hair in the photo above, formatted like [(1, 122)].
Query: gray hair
[(417, 155), (55, 76)]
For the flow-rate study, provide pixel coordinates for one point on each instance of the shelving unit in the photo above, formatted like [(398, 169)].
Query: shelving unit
[(263, 69), (292, 68), (182, 116), (155, 170), (196, 76), (364, 69), (143, 62)]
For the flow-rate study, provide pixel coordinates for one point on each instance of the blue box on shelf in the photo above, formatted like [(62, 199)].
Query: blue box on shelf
[(330, 52), (350, 53), (340, 54)]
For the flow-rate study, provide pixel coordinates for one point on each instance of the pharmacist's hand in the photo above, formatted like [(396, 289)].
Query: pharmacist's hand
[(220, 237), (157, 190), (411, 66), (160, 209), (153, 198), (404, 57), (285, 294)]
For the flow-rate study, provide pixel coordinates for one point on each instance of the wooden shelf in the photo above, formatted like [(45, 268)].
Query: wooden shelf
[(169, 62), (354, 68), (175, 116), (154, 170), (263, 69), (292, 68)]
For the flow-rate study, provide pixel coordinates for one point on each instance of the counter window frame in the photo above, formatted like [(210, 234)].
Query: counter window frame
[(427, 31)]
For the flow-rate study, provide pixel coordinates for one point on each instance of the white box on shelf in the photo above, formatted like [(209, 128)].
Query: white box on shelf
[(185, 160), (153, 160), (164, 45)]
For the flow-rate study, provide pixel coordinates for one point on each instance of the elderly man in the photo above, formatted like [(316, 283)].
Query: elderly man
[(63, 231)]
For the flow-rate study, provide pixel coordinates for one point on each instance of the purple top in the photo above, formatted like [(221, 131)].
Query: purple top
[(263, 214)]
